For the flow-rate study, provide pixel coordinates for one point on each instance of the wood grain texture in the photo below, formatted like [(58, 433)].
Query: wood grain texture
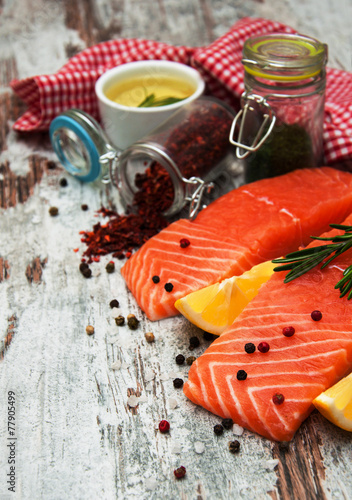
[(81, 432)]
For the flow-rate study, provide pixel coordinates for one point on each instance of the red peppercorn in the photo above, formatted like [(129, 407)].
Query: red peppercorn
[(316, 315), (164, 426), (184, 243), (278, 399), (288, 331), (263, 347), (180, 472)]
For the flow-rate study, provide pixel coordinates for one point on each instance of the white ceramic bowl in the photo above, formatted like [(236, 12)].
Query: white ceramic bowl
[(125, 125)]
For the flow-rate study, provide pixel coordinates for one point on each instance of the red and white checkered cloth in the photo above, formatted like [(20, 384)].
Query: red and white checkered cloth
[(220, 65)]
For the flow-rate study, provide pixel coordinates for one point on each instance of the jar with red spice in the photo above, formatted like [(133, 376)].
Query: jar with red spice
[(282, 112), (172, 166)]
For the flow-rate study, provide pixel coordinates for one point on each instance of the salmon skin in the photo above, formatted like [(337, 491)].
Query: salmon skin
[(300, 367), (256, 222)]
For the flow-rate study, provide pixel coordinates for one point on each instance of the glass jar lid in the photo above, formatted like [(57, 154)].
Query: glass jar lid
[(284, 57)]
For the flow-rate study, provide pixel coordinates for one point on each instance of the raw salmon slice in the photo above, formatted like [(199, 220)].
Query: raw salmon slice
[(251, 224), (298, 367)]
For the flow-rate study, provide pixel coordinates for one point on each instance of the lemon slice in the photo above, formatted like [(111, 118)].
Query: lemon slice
[(215, 307), (336, 403)]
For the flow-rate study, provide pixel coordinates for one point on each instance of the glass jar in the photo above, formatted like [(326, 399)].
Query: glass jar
[(174, 164), (282, 107)]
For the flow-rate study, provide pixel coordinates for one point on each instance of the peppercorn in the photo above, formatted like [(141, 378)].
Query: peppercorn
[(249, 348), (193, 343), (120, 320), (51, 165), (218, 429), (209, 336), (190, 360), (288, 331), (184, 243), (90, 329), (278, 399), (85, 270), (263, 347), (53, 211), (234, 446), (316, 315), (155, 279), (110, 267), (227, 423), (241, 375), (180, 359), (84, 207), (132, 322), (168, 287), (149, 336), (63, 182), (164, 426), (114, 303), (180, 472), (178, 383)]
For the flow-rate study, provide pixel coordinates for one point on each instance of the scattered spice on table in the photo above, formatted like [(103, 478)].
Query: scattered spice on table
[(120, 320), (227, 423), (180, 359), (180, 472), (110, 267), (132, 322), (190, 360), (114, 303), (149, 337), (218, 429), (234, 446), (193, 343), (164, 426), (84, 207), (85, 270), (53, 211), (178, 383), (209, 337), (63, 182), (90, 329)]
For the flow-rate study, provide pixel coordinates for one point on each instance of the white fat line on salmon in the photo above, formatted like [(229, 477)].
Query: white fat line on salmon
[(276, 361), (285, 211), (240, 342), (166, 236), (163, 254), (264, 199), (205, 393), (238, 405)]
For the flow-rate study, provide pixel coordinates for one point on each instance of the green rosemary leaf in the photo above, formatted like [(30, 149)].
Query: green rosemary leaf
[(341, 226)]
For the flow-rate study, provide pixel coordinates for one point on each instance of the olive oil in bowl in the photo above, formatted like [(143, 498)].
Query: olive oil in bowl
[(144, 91)]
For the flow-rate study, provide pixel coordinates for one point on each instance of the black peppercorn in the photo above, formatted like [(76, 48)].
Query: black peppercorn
[(168, 287), (241, 375), (53, 211), (83, 266), (249, 348), (218, 429), (120, 320), (178, 383), (114, 303), (84, 207), (234, 446), (180, 359), (155, 279), (63, 182), (209, 336), (227, 423), (193, 343)]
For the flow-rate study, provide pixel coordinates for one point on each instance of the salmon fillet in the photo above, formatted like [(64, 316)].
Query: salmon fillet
[(251, 224), (300, 367)]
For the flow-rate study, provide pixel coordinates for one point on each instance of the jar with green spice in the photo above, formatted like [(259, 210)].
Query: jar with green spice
[(280, 125)]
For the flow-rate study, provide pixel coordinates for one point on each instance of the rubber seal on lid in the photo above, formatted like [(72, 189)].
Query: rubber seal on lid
[(284, 57), (75, 148)]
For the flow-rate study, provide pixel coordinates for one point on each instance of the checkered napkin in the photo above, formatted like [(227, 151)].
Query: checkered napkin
[(219, 64)]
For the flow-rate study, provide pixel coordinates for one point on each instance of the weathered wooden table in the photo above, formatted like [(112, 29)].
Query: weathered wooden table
[(78, 431)]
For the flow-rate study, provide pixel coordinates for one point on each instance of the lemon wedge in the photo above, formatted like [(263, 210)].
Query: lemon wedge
[(215, 307), (336, 403)]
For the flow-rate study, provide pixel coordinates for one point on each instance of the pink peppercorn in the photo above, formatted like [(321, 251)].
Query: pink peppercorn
[(184, 243), (263, 347), (288, 331), (180, 472), (316, 315), (278, 399), (164, 426)]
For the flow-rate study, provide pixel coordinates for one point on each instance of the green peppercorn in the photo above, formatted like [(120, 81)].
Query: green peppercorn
[(110, 267), (120, 320), (190, 360), (132, 322), (218, 429)]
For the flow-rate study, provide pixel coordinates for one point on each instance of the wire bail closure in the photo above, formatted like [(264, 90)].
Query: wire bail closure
[(195, 189), (269, 119)]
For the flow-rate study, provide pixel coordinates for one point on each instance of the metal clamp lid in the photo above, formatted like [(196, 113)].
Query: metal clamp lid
[(252, 105)]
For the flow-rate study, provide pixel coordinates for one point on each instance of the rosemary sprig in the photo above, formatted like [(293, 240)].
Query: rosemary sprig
[(302, 261), (151, 101)]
